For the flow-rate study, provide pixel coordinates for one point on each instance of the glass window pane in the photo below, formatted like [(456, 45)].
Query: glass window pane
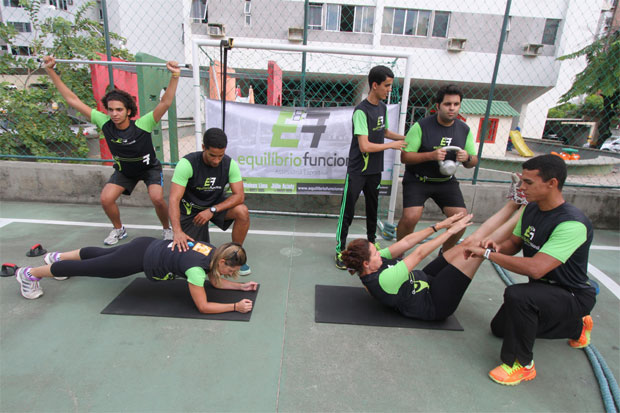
[(369, 19), (440, 25), (357, 25), (399, 21), (315, 17), (410, 22), (388, 18), (551, 31), (424, 18), (331, 22)]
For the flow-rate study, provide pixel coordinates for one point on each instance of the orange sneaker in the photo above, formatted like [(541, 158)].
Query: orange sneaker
[(584, 339), (511, 376)]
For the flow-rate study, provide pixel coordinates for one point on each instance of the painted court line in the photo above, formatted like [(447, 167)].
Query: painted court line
[(5, 221), (605, 280), (598, 274)]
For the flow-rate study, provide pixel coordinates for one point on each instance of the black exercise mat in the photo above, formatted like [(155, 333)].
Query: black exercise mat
[(172, 299), (353, 305)]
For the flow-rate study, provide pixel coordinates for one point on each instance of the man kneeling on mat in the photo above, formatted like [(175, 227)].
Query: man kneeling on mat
[(434, 292), (157, 260)]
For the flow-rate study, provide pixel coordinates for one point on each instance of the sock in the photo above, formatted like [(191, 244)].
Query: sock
[(32, 277)]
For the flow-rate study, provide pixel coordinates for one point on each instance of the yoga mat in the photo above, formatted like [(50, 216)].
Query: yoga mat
[(172, 299), (353, 305)]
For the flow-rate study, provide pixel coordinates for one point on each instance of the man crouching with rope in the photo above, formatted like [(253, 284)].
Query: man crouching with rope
[(556, 302)]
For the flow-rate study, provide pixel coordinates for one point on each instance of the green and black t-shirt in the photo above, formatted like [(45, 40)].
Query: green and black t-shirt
[(564, 233), (428, 134), (370, 120), (132, 148), (394, 286), (162, 263), (204, 184)]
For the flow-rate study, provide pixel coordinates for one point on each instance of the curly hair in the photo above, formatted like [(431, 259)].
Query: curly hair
[(354, 256), (121, 96)]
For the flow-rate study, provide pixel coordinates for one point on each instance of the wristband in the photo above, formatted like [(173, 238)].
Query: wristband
[(488, 252), (176, 75), (434, 229)]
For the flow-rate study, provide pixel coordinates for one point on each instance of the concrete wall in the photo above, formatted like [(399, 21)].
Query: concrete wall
[(67, 183)]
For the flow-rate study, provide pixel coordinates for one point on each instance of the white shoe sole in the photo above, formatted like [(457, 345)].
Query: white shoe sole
[(33, 295)]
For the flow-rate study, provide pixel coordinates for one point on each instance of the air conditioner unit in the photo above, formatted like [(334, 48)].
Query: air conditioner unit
[(456, 45), (216, 29), (532, 49), (295, 34)]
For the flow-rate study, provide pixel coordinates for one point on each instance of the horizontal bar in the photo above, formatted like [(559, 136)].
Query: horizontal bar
[(112, 63), (237, 44), (60, 158)]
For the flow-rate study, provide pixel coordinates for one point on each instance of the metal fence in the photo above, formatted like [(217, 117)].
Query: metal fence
[(520, 92)]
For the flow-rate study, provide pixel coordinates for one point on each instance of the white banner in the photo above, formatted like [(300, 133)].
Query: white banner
[(292, 150)]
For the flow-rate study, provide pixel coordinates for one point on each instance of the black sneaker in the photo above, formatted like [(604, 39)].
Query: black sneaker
[(339, 264)]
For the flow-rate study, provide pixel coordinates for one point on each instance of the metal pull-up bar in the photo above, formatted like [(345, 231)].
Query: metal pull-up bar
[(112, 63)]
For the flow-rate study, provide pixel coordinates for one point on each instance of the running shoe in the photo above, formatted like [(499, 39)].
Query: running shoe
[(29, 284), (115, 236), (515, 192), (245, 270), (511, 376), (339, 264), (167, 234), (52, 257), (584, 339)]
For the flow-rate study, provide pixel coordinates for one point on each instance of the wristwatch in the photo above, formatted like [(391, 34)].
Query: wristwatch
[(213, 209)]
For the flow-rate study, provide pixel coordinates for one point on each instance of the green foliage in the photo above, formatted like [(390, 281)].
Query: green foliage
[(36, 129), (603, 70), (566, 110)]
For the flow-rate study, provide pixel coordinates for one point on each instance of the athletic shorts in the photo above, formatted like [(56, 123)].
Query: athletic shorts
[(153, 176), (445, 194), (201, 232)]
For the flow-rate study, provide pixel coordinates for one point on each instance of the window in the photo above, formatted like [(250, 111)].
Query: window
[(21, 51), (333, 17), (508, 28), (440, 24), (199, 12), (59, 4), (247, 7), (491, 132), (11, 3), (551, 31), (248, 20), (315, 16), (344, 18), (364, 19), (408, 22), (22, 27)]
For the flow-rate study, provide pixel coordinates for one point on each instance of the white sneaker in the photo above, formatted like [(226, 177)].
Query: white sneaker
[(515, 192), (115, 236), (52, 257), (29, 287), (167, 234)]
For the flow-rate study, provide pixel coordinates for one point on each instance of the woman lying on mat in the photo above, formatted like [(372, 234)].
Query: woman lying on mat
[(434, 292), (157, 260)]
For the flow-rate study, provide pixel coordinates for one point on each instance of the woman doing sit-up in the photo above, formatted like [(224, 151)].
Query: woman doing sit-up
[(434, 292), (157, 260)]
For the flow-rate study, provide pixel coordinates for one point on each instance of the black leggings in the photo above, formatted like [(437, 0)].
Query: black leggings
[(116, 262), (448, 285)]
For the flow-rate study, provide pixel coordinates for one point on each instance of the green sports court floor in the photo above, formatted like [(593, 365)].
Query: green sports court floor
[(59, 354)]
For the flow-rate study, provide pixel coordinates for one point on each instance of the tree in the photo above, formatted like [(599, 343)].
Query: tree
[(29, 121), (600, 77)]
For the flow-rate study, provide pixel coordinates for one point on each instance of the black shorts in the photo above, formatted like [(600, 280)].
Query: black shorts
[(153, 176), (201, 233), (445, 194)]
